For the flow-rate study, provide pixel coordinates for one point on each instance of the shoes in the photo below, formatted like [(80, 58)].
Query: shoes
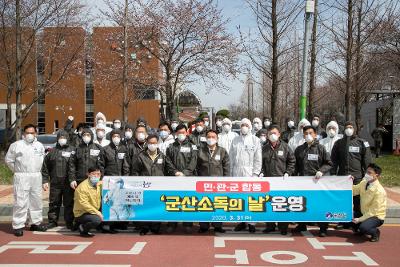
[(299, 228), (51, 225), (170, 229), (143, 231), (375, 238), (283, 232), (38, 228), (203, 230), (268, 230), (188, 229), (19, 232), (240, 227), (322, 233), (252, 228), (84, 233)]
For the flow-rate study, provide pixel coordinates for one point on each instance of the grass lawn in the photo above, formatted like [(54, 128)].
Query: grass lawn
[(390, 170), (5, 174)]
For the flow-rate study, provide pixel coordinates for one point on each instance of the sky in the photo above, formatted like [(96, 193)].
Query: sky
[(239, 15)]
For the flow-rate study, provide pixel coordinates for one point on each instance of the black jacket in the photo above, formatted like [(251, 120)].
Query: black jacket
[(217, 165), (289, 133), (277, 161), (85, 157), (56, 162), (351, 156), (116, 160), (199, 139), (182, 158), (134, 149), (311, 159), (145, 166)]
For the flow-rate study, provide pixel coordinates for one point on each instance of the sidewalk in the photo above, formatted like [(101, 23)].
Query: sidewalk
[(6, 202)]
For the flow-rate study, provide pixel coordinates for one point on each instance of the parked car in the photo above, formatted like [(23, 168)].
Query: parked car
[(49, 141)]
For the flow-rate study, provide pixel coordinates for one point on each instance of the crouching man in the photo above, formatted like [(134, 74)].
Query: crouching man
[(373, 203), (87, 201)]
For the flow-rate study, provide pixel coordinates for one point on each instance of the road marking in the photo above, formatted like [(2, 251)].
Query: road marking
[(219, 241), (40, 247), (135, 250), (298, 258), (63, 265), (359, 256), (240, 256), (316, 244)]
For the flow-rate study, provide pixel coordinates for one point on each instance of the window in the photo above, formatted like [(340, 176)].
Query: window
[(89, 94), (41, 122), (145, 93), (90, 118)]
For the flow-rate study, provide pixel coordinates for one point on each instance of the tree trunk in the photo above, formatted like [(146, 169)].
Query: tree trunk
[(349, 58), (125, 101), (313, 60), (274, 67), (358, 67), (18, 70)]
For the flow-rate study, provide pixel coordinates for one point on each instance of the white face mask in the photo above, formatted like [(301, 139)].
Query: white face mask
[(290, 124), (62, 141), (273, 138), (244, 130), (199, 129), (206, 123), (349, 132), (332, 133), (100, 134), (152, 147), (315, 123), (141, 137), (368, 178), (117, 125), (256, 126), (226, 128), (267, 124), (128, 134), (116, 140), (174, 125), (263, 139), (181, 137), (100, 122), (218, 123), (211, 141), (30, 138), (86, 139), (309, 138), (164, 134)]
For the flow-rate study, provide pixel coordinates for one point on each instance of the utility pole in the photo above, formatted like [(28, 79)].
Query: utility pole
[(304, 77)]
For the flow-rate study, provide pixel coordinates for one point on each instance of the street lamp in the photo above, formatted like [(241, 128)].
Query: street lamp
[(63, 109), (304, 77)]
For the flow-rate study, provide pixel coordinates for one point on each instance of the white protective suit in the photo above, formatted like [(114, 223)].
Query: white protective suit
[(225, 138), (298, 137), (328, 142), (164, 144), (260, 125), (25, 160), (245, 154), (107, 129), (104, 142)]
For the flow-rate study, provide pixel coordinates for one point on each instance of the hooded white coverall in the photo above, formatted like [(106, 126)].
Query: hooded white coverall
[(225, 138), (328, 142), (164, 144), (25, 160), (298, 137)]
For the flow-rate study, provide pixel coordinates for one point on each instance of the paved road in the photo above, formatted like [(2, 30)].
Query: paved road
[(62, 248)]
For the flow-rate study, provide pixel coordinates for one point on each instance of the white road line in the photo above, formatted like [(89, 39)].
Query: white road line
[(135, 250), (219, 241)]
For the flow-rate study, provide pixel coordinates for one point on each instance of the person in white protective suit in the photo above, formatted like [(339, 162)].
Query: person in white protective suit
[(332, 130), (119, 211), (298, 137), (245, 159), (100, 119), (257, 125), (226, 137), (100, 135), (25, 158)]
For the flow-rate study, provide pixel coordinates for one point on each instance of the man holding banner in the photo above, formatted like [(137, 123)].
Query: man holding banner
[(212, 160)]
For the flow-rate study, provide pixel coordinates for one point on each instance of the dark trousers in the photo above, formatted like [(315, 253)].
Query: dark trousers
[(175, 224), (282, 226), (88, 221), (152, 226), (369, 226), (323, 226), (378, 145), (206, 225), (61, 195)]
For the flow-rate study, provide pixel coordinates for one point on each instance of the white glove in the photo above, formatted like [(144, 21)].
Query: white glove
[(179, 174), (71, 118), (261, 175), (45, 186), (73, 185), (318, 175), (285, 176)]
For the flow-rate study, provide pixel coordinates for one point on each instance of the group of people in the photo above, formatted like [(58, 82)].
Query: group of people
[(72, 171)]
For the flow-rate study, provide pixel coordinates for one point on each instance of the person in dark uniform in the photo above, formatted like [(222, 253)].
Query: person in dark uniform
[(198, 136), (290, 131), (138, 145), (312, 159), (212, 160), (182, 161), (277, 161), (150, 162), (351, 155), (55, 171)]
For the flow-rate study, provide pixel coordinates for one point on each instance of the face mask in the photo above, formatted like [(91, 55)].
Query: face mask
[(263, 139), (368, 178), (152, 147), (315, 123), (62, 141), (331, 133), (141, 137), (349, 132), (226, 128), (30, 138), (116, 140), (267, 123), (199, 129), (256, 126), (94, 180), (164, 134), (117, 125), (100, 134), (309, 138), (244, 130), (100, 122), (206, 123), (181, 137), (211, 141), (174, 125), (128, 134), (290, 124), (273, 138), (86, 139), (219, 123)]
